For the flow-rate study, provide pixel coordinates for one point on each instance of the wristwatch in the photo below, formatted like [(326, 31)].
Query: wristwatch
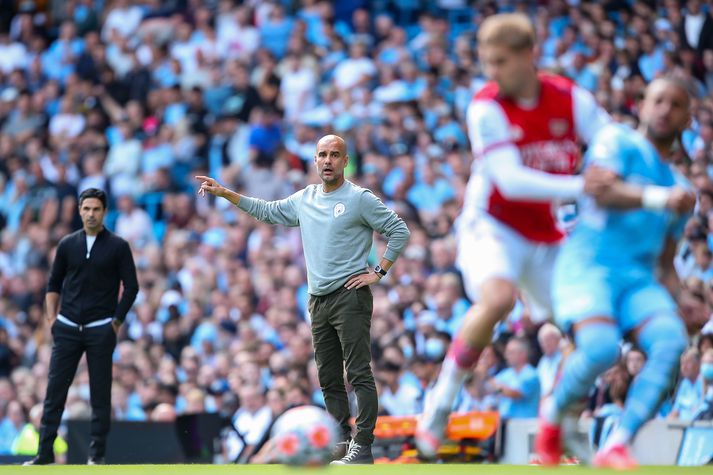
[(379, 270)]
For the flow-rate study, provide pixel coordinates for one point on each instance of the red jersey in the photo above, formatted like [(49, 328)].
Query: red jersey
[(545, 134)]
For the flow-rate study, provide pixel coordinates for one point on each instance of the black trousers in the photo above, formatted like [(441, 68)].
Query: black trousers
[(69, 345), (341, 323)]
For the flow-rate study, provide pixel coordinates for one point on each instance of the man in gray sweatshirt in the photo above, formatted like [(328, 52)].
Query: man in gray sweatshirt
[(337, 219)]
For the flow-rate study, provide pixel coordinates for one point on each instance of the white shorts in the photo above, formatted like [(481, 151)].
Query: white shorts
[(490, 249)]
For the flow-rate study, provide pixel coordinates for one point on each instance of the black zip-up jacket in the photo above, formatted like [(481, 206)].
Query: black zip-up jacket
[(89, 282)]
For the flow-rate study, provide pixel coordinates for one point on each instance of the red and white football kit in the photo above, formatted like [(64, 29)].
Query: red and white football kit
[(525, 157)]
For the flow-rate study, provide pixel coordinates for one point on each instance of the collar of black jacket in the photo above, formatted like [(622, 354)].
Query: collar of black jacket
[(103, 231)]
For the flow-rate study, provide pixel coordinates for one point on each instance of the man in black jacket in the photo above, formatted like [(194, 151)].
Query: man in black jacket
[(696, 28), (88, 266)]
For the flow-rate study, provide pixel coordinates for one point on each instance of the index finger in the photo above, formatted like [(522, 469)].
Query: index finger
[(201, 177)]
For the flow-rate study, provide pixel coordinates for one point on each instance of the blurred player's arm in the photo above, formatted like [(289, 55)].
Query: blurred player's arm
[(668, 275), (610, 191), (271, 212), (491, 139), (608, 159)]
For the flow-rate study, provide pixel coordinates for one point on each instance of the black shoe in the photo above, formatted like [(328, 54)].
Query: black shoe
[(340, 450), (96, 461), (38, 460), (358, 454)]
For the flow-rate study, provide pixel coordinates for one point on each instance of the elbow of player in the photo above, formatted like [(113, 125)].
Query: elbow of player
[(406, 232)]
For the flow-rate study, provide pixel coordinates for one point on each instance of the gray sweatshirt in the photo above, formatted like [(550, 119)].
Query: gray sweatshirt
[(337, 230)]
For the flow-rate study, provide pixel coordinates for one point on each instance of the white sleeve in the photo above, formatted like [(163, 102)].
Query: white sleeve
[(589, 117), (491, 139)]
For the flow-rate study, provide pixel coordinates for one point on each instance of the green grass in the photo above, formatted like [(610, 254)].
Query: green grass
[(470, 469)]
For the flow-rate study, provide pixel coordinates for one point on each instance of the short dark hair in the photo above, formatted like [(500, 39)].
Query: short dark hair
[(93, 193)]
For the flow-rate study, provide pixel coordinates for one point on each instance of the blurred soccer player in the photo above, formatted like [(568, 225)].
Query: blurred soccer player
[(604, 284), (525, 129)]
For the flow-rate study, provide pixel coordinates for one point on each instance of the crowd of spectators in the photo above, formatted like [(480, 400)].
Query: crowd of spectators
[(137, 97)]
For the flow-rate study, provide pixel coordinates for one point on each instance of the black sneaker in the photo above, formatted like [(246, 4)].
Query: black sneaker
[(340, 450), (38, 460), (357, 454), (96, 461)]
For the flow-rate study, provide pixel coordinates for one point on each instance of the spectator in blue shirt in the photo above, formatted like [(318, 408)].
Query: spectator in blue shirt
[(430, 191), (582, 73), (706, 410), (59, 60), (265, 135), (651, 61), (11, 425), (275, 32), (518, 385), (689, 393)]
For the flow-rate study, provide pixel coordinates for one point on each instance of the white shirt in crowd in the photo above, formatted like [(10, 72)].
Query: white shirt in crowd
[(298, 89), (693, 24), (547, 371), (124, 20), (351, 71), (403, 402), (252, 426), (135, 227), (68, 125), (12, 56)]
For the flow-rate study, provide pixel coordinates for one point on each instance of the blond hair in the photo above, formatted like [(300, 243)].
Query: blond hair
[(513, 30)]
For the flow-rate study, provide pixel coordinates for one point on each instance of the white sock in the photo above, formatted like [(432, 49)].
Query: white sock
[(449, 383), (620, 436), (550, 412)]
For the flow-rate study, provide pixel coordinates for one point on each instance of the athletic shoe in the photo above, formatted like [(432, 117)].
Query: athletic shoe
[(616, 457), (548, 444)]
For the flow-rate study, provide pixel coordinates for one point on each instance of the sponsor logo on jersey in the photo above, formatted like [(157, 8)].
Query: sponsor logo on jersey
[(551, 156), (558, 127)]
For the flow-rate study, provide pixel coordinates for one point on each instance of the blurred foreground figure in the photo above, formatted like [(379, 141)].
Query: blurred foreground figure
[(605, 285), (525, 129)]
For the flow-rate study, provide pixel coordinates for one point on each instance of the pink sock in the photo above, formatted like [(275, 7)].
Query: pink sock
[(464, 355)]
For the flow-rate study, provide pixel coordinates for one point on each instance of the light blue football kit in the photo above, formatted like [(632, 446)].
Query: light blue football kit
[(607, 268)]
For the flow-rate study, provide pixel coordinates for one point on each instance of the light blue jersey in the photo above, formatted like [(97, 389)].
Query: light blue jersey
[(607, 266)]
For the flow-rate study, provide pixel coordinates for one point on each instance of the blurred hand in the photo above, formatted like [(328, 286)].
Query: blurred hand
[(361, 280), (598, 181), (211, 186), (115, 325), (681, 201)]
